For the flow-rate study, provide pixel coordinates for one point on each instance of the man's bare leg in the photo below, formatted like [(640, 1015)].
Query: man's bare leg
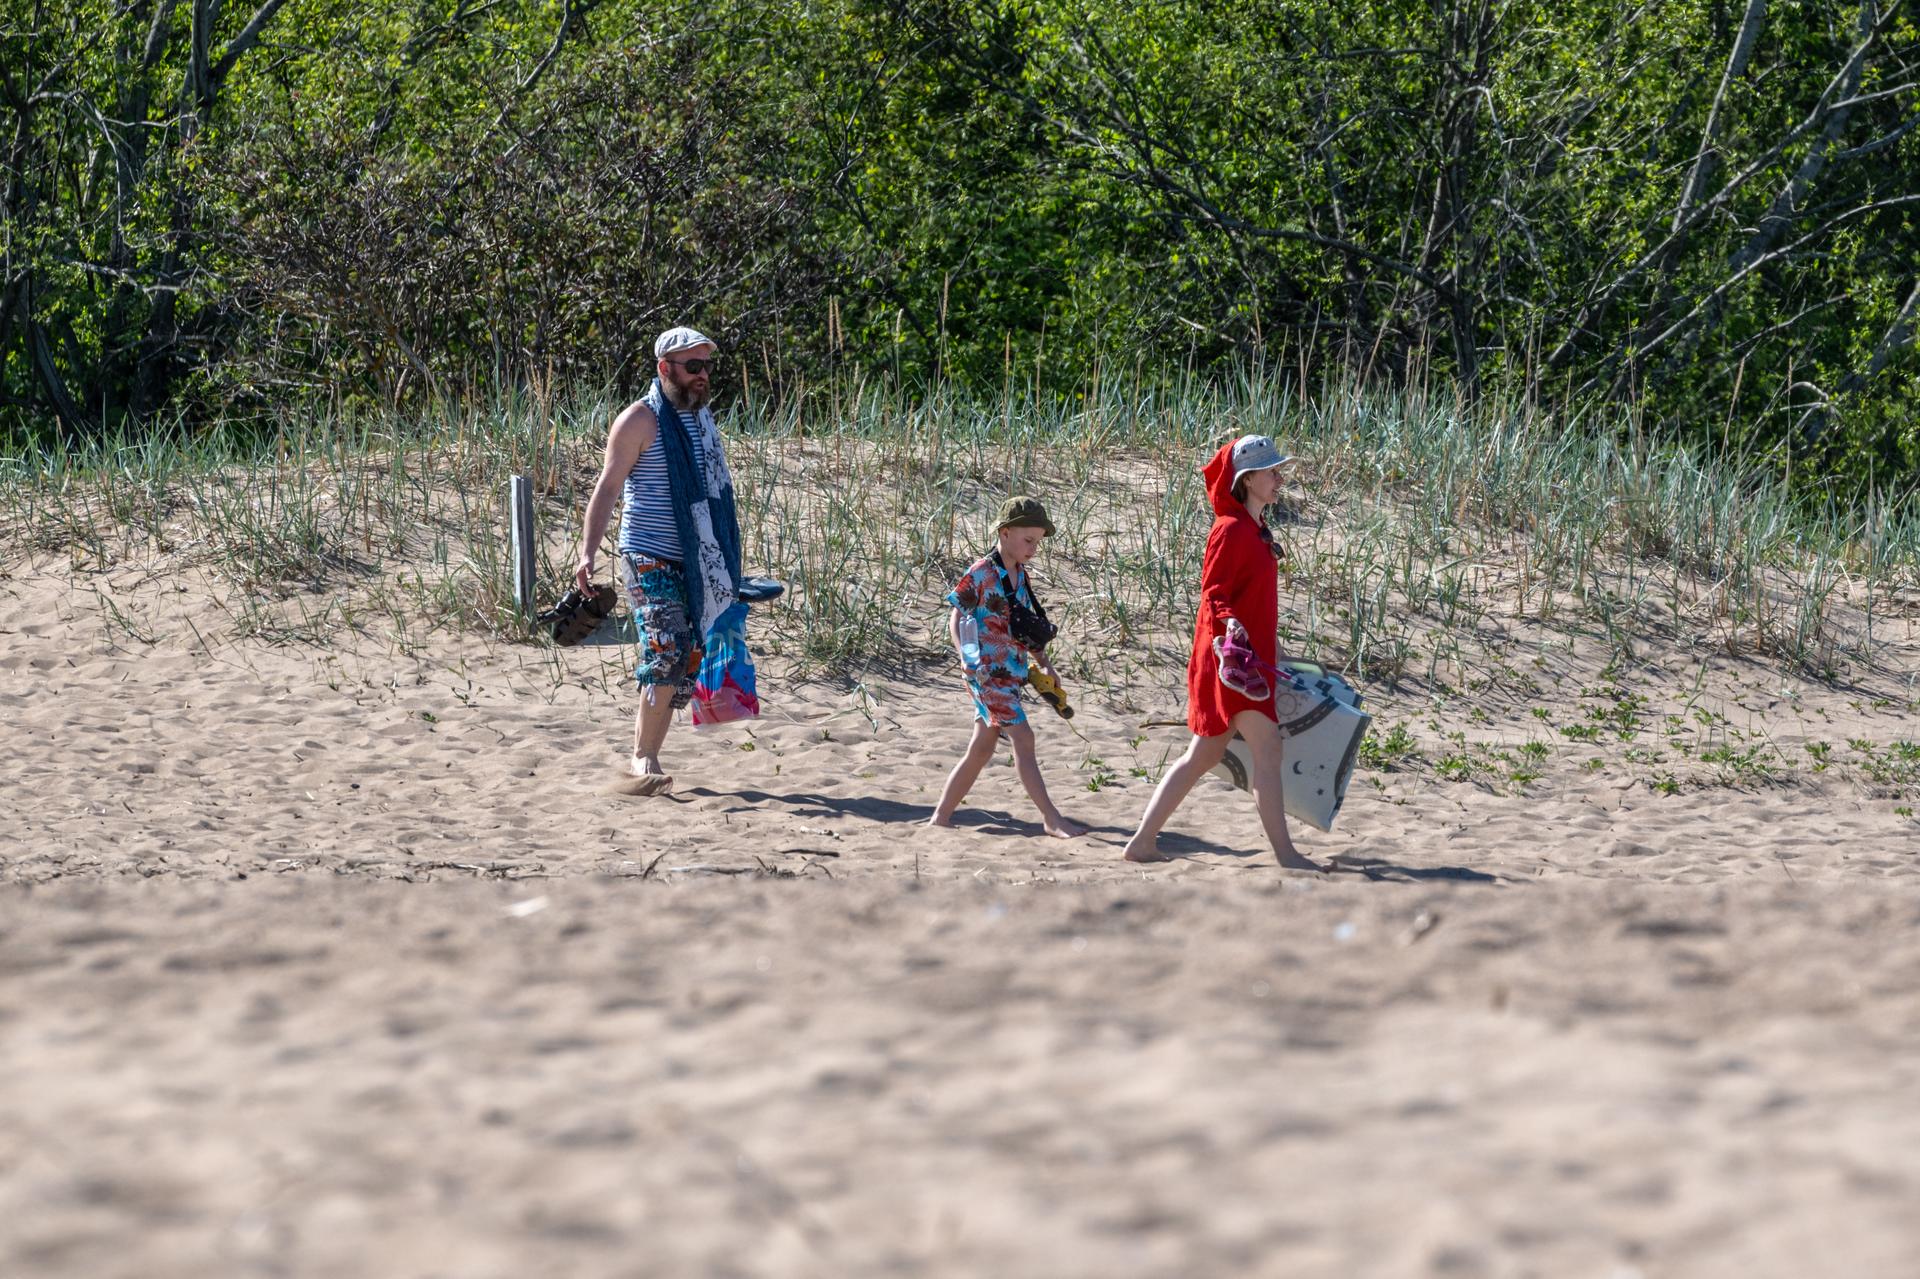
[(1202, 754), (650, 725)]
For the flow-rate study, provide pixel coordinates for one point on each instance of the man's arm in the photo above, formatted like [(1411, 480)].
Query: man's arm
[(631, 435)]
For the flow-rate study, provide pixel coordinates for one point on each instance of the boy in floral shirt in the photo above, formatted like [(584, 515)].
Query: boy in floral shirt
[(999, 630)]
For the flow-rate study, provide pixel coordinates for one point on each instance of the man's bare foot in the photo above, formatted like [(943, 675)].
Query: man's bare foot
[(1139, 850), (644, 777), (1063, 828)]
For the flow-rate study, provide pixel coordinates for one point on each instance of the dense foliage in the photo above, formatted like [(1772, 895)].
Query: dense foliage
[(1702, 209)]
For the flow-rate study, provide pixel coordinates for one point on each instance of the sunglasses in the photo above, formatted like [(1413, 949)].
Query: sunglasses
[(695, 367)]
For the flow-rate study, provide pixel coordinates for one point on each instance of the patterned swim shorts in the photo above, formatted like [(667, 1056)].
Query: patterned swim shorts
[(996, 699), (669, 653)]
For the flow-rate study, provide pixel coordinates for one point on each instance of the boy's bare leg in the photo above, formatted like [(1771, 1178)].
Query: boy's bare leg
[(1202, 754), (1265, 744), (650, 725), (966, 772), (1026, 761)]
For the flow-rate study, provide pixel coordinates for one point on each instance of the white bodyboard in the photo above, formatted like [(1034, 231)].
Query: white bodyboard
[(1321, 720)]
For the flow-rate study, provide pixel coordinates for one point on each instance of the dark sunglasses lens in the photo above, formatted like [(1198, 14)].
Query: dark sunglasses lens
[(697, 367)]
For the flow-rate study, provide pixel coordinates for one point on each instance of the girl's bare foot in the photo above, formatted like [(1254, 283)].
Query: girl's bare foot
[(938, 820), (1062, 828), (1292, 860), (1139, 850)]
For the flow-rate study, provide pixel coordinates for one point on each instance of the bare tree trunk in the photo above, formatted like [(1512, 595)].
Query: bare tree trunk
[(71, 415), (156, 354), (1710, 135), (1466, 41), (1763, 243), (1793, 195)]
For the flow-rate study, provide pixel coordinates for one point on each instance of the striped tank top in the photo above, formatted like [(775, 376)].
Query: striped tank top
[(646, 511)]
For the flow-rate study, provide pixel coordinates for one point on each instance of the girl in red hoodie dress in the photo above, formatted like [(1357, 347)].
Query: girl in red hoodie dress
[(1238, 585)]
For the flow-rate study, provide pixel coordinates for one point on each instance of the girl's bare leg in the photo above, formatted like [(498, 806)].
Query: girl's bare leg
[(1202, 754), (1026, 761), (1265, 744), (966, 772)]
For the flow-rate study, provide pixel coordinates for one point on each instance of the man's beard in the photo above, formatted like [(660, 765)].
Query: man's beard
[(683, 397)]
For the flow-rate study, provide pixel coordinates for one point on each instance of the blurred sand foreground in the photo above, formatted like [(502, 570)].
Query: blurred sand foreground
[(353, 964)]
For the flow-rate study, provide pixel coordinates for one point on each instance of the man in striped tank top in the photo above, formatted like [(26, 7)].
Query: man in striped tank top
[(652, 559)]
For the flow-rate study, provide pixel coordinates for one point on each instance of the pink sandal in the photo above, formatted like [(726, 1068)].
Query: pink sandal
[(1240, 667)]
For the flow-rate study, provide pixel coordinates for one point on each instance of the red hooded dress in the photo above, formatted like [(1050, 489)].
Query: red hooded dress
[(1239, 578)]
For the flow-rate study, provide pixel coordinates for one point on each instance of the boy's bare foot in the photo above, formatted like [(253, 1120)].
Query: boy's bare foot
[(1139, 850), (1062, 828)]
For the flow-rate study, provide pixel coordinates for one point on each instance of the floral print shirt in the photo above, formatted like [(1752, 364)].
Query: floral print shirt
[(983, 594)]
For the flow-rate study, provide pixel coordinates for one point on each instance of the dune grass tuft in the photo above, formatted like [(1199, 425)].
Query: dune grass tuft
[(1421, 537)]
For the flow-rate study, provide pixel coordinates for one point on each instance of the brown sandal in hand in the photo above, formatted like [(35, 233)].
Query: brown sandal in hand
[(578, 614)]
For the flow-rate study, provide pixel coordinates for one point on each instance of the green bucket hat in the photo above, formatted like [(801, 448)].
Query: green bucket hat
[(1023, 512)]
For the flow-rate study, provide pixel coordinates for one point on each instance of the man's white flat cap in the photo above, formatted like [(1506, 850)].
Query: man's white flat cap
[(680, 339)]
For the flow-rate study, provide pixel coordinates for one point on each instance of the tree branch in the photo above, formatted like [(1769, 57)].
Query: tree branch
[(248, 37), (1736, 67), (1880, 143), (1726, 286), (1603, 298), (157, 33), (1077, 124), (1898, 336), (571, 13)]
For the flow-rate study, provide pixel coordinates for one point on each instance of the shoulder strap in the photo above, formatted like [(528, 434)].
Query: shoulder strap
[(1013, 592)]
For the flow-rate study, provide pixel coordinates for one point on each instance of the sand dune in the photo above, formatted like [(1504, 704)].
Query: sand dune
[(353, 961)]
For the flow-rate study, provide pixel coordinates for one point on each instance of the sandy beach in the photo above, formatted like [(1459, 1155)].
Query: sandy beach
[(385, 389), (354, 961)]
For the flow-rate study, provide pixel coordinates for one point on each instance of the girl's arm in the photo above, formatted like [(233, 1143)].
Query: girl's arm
[(1221, 582)]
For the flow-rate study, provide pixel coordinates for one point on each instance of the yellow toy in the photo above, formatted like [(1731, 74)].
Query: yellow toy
[(1050, 691)]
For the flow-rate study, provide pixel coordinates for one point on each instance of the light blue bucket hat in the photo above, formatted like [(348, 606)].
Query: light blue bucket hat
[(1256, 453)]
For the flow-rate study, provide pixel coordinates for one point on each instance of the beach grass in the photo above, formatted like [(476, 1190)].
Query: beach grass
[(1424, 538)]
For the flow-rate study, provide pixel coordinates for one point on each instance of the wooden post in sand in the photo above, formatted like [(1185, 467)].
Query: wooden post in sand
[(520, 503)]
